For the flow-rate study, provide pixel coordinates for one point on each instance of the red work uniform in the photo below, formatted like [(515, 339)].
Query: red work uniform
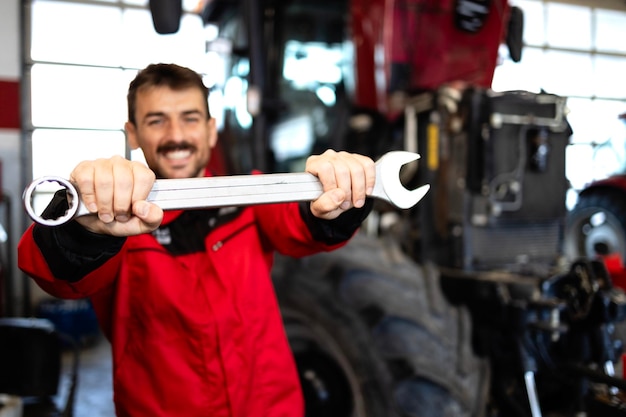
[(190, 309)]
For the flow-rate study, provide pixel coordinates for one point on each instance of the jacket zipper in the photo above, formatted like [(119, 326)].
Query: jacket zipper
[(218, 245)]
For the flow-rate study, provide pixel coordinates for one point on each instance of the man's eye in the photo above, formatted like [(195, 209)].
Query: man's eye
[(153, 122), (192, 119)]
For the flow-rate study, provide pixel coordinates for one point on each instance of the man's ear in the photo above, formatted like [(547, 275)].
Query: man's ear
[(212, 132), (131, 135)]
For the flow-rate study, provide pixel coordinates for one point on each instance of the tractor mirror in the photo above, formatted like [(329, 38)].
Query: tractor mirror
[(166, 15), (515, 34)]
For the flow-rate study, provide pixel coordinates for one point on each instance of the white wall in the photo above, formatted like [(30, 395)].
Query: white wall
[(10, 69), (9, 39)]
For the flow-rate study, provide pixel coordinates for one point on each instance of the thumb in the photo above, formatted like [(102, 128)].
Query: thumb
[(141, 209), (337, 196), (149, 213), (328, 205)]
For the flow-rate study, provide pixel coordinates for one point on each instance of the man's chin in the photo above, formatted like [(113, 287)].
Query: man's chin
[(178, 173)]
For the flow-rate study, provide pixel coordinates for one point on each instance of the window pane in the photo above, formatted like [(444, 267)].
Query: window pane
[(57, 152), (308, 64), (567, 74), (609, 73), (598, 143), (534, 22), (610, 31), (568, 26), (76, 33), (525, 75), (579, 112), (79, 97), (143, 45)]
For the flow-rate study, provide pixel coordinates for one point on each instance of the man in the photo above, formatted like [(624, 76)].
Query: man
[(185, 297)]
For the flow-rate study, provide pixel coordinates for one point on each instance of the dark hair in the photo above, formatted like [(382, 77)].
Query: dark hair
[(169, 75)]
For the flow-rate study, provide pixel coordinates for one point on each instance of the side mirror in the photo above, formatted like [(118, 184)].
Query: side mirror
[(515, 34), (166, 15)]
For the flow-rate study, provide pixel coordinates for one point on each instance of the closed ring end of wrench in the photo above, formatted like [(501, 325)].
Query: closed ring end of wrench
[(73, 201)]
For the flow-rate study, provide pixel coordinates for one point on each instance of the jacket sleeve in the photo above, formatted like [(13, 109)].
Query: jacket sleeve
[(59, 257), (337, 230), (291, 228)]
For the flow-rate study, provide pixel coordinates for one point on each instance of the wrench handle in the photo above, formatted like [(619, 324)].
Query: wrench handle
[(192, 193), (234, 190)]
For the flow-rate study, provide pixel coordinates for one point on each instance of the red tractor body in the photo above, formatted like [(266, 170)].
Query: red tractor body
[(416, 45)]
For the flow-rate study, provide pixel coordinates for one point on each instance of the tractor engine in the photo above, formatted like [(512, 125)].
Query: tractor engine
[(497, 164), (493, 223)]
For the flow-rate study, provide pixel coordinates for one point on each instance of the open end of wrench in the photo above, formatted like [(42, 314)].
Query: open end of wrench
[(36, 187), (388, 185)]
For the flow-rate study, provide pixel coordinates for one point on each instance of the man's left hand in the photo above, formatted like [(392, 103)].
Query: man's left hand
[(347, 179)]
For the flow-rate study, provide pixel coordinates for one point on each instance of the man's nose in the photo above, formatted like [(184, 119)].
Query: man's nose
[(175, 130)]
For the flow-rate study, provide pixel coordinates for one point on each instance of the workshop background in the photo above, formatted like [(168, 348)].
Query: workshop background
[(64, 71)]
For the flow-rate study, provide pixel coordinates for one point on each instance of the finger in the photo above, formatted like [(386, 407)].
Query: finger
[(353, 179), (82, 178), (321, 167), (103, 181), (363, 178), (369, 167), (122, 190), (343, 171), (145, 219), (143, 179)]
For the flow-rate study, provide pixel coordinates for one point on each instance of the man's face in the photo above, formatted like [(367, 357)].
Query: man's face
[(173, 131)]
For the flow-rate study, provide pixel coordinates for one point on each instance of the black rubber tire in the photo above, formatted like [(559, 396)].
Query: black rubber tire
[(373, 336), (597, 225)]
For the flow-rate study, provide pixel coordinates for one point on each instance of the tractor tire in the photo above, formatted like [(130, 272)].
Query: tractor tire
[(374, 336), (597, 225)]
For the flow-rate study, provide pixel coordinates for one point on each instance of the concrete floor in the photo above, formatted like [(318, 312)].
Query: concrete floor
[(94, 392)]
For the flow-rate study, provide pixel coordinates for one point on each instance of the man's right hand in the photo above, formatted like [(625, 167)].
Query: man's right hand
[(116, 190)]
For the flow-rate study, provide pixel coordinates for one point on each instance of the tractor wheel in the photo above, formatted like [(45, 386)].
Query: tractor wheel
[(597, 225), (373, 336)]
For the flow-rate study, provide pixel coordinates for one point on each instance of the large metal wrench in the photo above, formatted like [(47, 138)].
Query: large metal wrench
[(242, 190)]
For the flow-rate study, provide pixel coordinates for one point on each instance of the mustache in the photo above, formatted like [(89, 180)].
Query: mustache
[(175, 146)]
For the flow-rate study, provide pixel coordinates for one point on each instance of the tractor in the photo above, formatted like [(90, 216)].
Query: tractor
[(467, 304), (596, 225)]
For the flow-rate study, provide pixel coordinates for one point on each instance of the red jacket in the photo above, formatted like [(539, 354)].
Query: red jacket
[(195, 330)]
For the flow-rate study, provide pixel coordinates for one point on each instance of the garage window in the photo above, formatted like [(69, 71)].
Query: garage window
[(577, 52), (83, 54)]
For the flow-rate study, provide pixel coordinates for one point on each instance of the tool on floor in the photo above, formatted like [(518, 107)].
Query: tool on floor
[(242, 190)]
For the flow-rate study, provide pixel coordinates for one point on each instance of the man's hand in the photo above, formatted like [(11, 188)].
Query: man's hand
[(116, 190), (347, 179)]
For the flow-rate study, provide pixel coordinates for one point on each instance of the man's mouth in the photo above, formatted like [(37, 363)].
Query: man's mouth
[(176, 152)]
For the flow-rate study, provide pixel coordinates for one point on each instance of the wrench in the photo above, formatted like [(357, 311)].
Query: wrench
[(241, 190)]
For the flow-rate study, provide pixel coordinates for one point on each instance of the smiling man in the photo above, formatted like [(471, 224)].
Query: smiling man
[(171, 124), (186, 297)]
